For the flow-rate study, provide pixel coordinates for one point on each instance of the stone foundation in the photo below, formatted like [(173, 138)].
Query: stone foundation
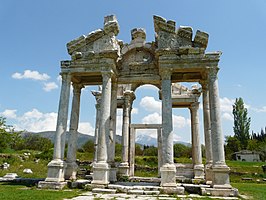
[(51, 185), (100, 174)]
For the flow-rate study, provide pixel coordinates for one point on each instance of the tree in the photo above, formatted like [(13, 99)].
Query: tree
[(181, 150), (241, 122)]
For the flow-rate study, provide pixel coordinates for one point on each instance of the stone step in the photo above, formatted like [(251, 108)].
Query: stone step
[(103, 191)]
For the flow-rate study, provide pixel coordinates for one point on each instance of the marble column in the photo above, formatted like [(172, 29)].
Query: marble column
[(160, 153), (124, 165), (132, 149), (71, 169), (101, 167), (112, 133), (196, 146), (56, 168), (97, 95), (168, 169), (219, 168), (207, 132)]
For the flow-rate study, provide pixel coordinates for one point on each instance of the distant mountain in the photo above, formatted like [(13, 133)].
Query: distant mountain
[(151, 141), (141, 139), (82, 138)]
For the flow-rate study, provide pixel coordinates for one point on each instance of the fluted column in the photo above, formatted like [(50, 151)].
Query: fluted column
[(207, 131), (97, 95), (128, 99), (71, 169), (220, 169), (168, 170), (196, 146), (101, 167), (57, 166), (112, 134)]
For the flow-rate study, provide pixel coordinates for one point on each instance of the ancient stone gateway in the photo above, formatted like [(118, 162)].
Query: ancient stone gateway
[(99, 58)]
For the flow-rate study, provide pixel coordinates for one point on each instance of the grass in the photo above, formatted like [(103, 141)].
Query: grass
[(13, 192), (251, 190), (241, 170)]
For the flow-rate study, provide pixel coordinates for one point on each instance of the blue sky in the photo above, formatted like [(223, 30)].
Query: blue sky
[(33, 42)]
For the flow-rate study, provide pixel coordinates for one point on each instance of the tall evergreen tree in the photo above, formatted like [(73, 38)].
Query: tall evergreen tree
[(241, 122)]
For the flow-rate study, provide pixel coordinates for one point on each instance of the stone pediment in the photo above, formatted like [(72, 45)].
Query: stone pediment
[(96, 42), (167, 37), (138, 57)]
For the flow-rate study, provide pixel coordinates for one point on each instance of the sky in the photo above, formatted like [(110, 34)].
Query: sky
[(33, 41)]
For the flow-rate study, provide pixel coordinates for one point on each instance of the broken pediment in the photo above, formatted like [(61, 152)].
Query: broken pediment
[(98, 41), (181, 40)]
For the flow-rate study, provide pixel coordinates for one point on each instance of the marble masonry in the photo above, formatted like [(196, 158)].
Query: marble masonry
[(118, 68)]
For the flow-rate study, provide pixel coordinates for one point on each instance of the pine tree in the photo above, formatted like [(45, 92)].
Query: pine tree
[(241, 122)]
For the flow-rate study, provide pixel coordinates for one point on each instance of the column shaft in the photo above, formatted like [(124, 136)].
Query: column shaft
[(207, 125), (167, 123), (196, 146), (73, 135), (97, 95), (61, 126), (105, 118), (112, 136)]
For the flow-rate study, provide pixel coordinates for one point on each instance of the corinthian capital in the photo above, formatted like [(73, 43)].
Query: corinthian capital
[(166, 74)]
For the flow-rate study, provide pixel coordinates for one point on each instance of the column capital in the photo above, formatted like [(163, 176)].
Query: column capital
[(213, 72), (194, 106), (204, 84), (107, 74), (166, 74), (77, 88), (65, 76), (98, 97)]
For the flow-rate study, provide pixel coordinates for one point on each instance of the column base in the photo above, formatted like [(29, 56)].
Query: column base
[(198, 174), (71, 171), (220, 176), (112, 174), (123, 169), (56, 170), (208, 174), (100, 173), (168, 175)]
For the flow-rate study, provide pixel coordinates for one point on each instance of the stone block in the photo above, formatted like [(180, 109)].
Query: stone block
[(168, 173), (10, 176), (151, 192), (100, 174), (103, 191), (56, 169), (51, 185), (233, 192), (137, 192), (173, 190)]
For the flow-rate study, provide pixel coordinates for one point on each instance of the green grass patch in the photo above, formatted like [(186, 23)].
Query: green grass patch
[(252, 190), (14, 192)]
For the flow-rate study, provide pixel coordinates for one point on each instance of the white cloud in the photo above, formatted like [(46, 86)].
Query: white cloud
[(86, 128), (36, 121), (11, 114), (226, 104), (34, 75), (180, 122), (50, 86), (227, 116), (153, 118), (150, 104)]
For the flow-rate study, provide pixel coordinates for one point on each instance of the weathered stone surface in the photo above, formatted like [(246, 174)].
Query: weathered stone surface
[(51, 185), (99, 58)]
